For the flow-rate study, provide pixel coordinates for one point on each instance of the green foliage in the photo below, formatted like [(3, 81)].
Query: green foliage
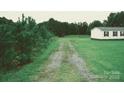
[(24, 37), (7, 43), (115, 19), (28, 72), (95, 23), (19, 40), (63, 28)]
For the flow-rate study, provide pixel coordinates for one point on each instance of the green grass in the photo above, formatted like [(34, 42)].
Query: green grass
[(68, 73), (28, 71), (103, 58)]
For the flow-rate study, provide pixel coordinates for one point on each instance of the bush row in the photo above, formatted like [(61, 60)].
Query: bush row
[(20, 40)]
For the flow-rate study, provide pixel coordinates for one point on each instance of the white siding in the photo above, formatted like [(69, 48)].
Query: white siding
[(111, 35), (97, 33)]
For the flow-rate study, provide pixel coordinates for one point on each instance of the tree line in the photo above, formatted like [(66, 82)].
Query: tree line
[(83, 28), (20, 40)]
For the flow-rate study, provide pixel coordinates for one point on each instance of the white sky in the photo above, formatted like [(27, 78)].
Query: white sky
[(67, 16)]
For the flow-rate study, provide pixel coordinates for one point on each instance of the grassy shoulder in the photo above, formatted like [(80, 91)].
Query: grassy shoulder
[(26, 72), (103, 58)]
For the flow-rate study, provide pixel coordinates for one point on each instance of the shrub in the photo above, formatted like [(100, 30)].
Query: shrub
[(19, 40)]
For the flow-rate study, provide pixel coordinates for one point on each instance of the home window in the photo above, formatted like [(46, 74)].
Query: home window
[(106, 33), (115, 33), (122, 33)]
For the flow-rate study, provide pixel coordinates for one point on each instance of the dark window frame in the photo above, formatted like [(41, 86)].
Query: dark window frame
[(106, 33), (115, 33), (121, 33)]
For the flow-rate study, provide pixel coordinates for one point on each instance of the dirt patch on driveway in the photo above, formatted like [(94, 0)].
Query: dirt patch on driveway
[(64, 65)]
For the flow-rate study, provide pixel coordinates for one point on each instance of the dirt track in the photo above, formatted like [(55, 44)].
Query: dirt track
[(64, 65)]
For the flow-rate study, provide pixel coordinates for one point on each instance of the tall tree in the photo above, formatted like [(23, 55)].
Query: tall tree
[(116, 19), (95, 23)]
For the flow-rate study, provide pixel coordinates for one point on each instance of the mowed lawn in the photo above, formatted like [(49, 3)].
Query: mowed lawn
[(105, 59)]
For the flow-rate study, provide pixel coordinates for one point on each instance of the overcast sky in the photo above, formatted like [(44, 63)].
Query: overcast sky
[(68, 16)]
